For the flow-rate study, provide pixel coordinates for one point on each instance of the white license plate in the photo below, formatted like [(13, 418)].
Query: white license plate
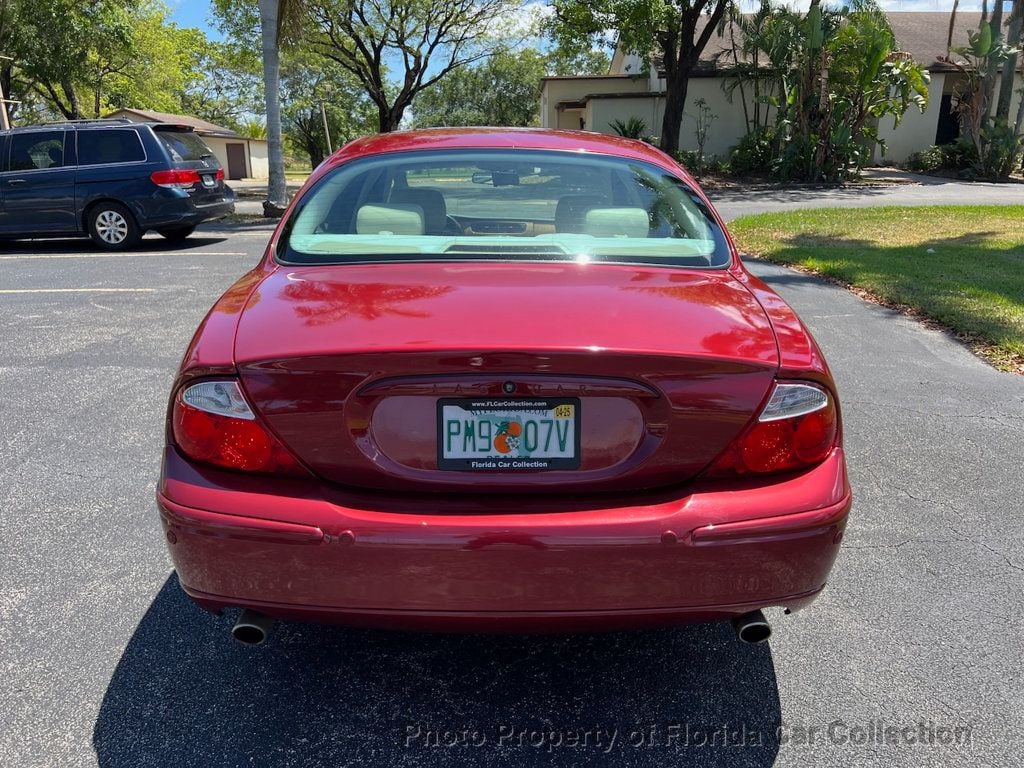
[(508, 435)]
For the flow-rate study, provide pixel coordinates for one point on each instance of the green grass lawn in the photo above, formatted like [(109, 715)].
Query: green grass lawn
[(961, 266)]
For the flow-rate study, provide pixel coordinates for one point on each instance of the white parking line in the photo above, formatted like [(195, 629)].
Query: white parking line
[(77, 290), (41, 256)]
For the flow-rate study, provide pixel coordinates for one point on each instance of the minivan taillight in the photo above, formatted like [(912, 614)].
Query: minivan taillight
[(212, 423), (175, 178), (796, 428)]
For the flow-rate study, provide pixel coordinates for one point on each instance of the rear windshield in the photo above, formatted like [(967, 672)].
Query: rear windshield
[(505, 204), (184, 145)]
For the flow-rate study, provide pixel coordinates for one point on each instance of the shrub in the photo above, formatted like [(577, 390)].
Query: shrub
[(960, 156), (927, 160), (755, 154), (687, 158), (634, 128)]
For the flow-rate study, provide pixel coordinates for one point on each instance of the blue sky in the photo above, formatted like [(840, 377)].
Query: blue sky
[(192, 13)]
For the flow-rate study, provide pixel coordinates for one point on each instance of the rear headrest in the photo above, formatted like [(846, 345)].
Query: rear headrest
[(389, 219), (616, 222), (435, 212), (570, 210)]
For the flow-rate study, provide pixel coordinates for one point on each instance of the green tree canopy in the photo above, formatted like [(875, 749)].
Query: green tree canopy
[(306, 81), (501, 90), (419, 41)]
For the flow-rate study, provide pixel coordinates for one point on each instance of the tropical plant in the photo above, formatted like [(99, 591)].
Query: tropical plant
[(633, 128), (836, 74), (998, 145), (762, 46), (253, 128)]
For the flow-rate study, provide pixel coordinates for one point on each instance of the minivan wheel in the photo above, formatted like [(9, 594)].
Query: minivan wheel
[(112, 226), (177, 234)]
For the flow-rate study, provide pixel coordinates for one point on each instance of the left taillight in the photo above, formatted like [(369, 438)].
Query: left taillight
[(797, 428), (212, 423), (175, 178)]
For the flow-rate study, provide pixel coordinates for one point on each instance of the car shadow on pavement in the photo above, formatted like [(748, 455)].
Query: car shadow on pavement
[(185, 694), (82, 245)]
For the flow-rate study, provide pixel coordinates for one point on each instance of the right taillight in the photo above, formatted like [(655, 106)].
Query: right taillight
[(212, 423), (796, 428)]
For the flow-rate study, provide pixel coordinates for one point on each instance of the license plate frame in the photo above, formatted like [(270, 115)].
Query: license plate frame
[(520, 410)]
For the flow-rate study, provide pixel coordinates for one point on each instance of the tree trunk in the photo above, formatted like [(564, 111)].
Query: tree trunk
[(681, 47), (988, 85), (277, 191), (389, 118), (675, 105), (952, 24), (1013, 39), (74, 105)]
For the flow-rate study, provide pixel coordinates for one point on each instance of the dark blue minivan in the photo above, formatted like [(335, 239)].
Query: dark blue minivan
[(110, 179)]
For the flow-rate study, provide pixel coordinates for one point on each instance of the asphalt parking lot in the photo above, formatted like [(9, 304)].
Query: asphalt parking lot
[(912, 656)]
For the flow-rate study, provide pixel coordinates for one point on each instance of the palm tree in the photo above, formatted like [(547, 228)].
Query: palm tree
[(275, 16)]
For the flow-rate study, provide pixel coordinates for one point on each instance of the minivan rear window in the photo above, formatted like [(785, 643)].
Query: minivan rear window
[(184, 145), (100, 146)]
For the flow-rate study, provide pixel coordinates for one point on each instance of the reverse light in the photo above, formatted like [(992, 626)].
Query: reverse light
[(796, 428), (176, 178), (213, 423)]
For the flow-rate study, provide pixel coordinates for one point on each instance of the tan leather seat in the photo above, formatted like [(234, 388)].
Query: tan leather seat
[(571, 211), (431, 201), (389, 219)]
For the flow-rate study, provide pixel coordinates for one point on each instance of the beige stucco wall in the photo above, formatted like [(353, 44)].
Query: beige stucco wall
[(726, 129), (916, 130), (219, 148), (256, 162), (259, 164), (557, 89)]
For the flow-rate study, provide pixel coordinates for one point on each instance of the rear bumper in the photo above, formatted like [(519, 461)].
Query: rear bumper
[(174, 208), (315, 556)]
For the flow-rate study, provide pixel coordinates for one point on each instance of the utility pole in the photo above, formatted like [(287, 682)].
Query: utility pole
[(327, 130)]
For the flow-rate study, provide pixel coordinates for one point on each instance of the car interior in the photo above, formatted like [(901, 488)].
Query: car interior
[(549, 208)]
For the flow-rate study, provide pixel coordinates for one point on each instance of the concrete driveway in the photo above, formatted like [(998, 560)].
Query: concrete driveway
[(910, 658)]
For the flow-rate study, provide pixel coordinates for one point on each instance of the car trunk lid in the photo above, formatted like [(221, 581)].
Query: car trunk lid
[(353, 367)]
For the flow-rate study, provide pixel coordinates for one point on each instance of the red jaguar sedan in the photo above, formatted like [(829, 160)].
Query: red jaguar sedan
[(502, 380)]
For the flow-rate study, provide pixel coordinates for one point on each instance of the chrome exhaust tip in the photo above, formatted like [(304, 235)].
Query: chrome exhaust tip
[(252, 628), (752, 628)]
